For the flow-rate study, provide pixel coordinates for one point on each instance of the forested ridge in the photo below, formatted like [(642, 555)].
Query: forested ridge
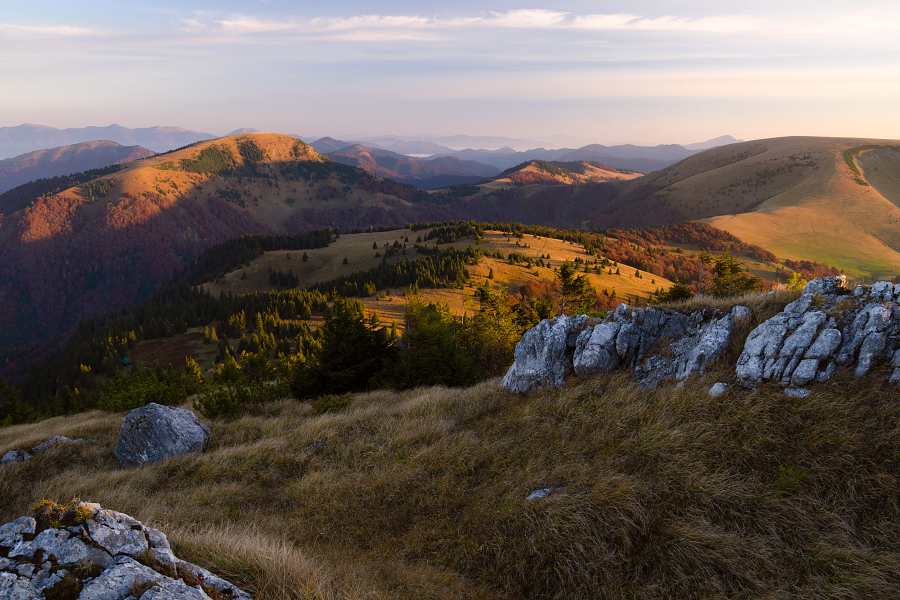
[(267, 335)]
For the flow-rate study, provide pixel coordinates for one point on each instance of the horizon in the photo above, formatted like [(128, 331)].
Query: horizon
[(670, 72)]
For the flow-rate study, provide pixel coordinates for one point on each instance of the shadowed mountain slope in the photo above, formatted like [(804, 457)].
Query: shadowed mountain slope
[(406, 168), (65, 160)]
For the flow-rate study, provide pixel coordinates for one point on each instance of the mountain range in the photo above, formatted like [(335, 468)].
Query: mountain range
[(69, 254), (643, 159), (424, 174), (23, 139)]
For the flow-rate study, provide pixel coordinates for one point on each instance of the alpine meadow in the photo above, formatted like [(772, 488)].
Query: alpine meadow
[(472, 310)]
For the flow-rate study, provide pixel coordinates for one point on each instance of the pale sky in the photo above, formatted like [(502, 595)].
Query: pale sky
[(655, 72)]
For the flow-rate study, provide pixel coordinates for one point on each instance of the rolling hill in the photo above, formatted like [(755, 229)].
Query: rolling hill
[(54, 162), (107, 242), (796, 196)]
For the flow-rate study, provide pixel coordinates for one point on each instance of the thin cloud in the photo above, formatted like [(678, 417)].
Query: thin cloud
[(526, 19), (45, 30), (723, 24), (371, 21), (250, 25)]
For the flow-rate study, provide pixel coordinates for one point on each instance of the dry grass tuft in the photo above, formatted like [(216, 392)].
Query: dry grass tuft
[(666, 493)]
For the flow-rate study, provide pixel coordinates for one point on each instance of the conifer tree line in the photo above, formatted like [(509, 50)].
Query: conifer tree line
[(20, 196), (265, 347)]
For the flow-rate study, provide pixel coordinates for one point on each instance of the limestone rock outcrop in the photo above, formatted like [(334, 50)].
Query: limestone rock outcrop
[(155, 432), (828, 328), (657, 343), (85, 552)]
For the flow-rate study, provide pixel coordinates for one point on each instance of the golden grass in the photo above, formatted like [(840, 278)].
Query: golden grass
[(826, 217), (325, 264), (668, 493)]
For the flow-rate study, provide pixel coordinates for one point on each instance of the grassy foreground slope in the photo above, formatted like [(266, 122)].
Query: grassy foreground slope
[(665, 493)]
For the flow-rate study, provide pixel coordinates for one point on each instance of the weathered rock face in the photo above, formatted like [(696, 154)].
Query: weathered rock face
[(826, 329), (97, 554), (155, 432), (656, 343), (543, 355)]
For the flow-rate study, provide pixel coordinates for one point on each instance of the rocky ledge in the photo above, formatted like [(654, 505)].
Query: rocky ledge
[(656, 343), (828, 328), (82, 551)]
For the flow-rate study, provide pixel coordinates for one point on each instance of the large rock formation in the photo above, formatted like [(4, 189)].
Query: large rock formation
[(657, 343), (826, 329), (85, 552), (155, 432)]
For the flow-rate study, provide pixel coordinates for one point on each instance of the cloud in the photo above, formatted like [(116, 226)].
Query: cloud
[(722, 24), (45, 30), (370, 21), (526, 19), (242, 25)]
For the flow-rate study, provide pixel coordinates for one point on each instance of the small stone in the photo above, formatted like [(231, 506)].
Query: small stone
[(797, 392), (11, 533), (117, 533), (718, 389), (118, 581), (15, 456), (51, 444), (741, 312), (544, 492)]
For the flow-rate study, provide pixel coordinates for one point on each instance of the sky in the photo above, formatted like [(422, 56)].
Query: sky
[(594, 71)]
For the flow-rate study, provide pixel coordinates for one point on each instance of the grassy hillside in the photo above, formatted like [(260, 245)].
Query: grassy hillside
[(796, 197), (550, 173), (325, 264), (665, 493)]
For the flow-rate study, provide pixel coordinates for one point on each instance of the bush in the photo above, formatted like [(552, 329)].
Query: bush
[(140, 389), (331, 403), (236, 398)]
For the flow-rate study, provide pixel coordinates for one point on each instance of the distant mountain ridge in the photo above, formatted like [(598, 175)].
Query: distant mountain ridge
[(414, 171), (66, 160), (722, 140), (26, 138)]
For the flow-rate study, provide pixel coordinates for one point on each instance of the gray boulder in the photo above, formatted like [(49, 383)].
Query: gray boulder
[(155, 432), (826, 285)]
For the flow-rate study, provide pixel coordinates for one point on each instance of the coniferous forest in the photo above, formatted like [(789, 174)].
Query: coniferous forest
[(318, 341)]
